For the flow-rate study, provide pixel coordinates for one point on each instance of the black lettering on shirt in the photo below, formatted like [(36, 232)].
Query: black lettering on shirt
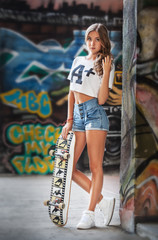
[(77, 72), (90, 71)]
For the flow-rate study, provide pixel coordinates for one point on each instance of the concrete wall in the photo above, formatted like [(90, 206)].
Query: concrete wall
[(139, 149)]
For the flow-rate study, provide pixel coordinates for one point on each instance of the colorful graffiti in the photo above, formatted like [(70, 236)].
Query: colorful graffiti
[(147, 107), (29, 101), (139, 160), (35, 59), (30, 143), (38, 85), (34, 86), (42, 67)]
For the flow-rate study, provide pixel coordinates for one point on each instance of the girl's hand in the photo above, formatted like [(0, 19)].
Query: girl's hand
[(106, 64), (66, 129)]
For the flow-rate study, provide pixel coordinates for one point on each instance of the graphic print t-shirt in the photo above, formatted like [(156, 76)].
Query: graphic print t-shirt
[(84, 79)]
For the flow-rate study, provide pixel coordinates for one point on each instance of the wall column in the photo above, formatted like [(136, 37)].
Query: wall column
[(139, 149)]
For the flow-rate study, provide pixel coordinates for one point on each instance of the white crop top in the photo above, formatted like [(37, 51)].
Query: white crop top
[(84, 79)]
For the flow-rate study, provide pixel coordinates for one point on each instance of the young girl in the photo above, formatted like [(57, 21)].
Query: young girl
[(90, 79)]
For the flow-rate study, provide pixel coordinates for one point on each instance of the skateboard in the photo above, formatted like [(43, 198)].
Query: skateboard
[(58, 204)]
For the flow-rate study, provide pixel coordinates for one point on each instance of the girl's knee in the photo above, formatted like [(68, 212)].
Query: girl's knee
[(96, 169)]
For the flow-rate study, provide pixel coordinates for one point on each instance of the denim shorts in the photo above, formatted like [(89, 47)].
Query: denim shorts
[(90, 116)]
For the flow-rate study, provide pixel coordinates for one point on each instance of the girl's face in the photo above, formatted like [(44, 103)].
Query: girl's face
[(93, 42)]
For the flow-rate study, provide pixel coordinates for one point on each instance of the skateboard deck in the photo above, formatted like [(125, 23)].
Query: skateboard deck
[(58, 204)]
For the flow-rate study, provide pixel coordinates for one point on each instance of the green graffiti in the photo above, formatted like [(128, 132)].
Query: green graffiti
[(6, 56), (35, 70), (29, 101), (35, 140), (64, 90)]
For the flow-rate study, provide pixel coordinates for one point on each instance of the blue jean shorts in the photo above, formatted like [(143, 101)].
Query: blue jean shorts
[(90, 116)]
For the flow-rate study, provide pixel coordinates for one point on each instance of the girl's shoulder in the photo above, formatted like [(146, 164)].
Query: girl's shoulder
[(83, 60), (79, 58)]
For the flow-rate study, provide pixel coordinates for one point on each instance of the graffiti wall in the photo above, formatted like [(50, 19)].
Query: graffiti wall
[(139, 158), (37, 46)]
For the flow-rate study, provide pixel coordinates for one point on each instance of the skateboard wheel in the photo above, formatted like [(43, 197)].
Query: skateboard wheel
[(66, 155), (51, 150), (46, 203), (61, 205)]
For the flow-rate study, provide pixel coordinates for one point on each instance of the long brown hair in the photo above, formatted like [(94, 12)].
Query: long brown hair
[(105, 45)]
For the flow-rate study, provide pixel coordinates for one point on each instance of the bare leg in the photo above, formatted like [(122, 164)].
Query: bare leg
[(80, 178), (95, 145)]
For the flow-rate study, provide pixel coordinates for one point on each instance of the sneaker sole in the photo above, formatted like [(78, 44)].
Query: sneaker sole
[(85, 228), (114, 200)]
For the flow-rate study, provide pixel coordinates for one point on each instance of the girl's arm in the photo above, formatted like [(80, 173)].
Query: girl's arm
[(104, 88), (71, 101), (69, 123)]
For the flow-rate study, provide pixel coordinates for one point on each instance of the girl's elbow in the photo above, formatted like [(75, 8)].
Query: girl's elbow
[(102, 97), (101, 101)]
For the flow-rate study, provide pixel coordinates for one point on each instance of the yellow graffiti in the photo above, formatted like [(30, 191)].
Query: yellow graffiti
[(35, 139), (115, 97), (13, 132), (18, 162), (37, 147), (118, 78), (32, 147), (29, 101), (18, 134), (34, 164)]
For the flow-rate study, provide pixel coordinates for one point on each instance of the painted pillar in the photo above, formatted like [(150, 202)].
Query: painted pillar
[(139, 148)]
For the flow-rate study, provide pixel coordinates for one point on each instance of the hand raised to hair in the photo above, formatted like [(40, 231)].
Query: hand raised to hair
[(106, 62)]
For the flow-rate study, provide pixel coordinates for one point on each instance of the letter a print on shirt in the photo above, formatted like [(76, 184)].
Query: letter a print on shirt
[(77, 72)]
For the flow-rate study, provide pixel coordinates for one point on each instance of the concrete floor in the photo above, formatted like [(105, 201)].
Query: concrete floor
[(23, 216)]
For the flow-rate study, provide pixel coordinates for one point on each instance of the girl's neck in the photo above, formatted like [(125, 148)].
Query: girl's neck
[(91, 57)]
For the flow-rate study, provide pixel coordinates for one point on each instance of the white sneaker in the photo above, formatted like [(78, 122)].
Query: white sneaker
[(106, 206), (87, 221)]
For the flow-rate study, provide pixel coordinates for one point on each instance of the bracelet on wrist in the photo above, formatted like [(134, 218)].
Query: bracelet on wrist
[(69, 120)]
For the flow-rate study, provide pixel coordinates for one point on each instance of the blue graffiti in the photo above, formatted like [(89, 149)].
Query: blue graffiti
[(40, 67), (116, 42)]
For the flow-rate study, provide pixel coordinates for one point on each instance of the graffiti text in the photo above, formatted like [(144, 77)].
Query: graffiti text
[(35, 140), (30, 101)]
